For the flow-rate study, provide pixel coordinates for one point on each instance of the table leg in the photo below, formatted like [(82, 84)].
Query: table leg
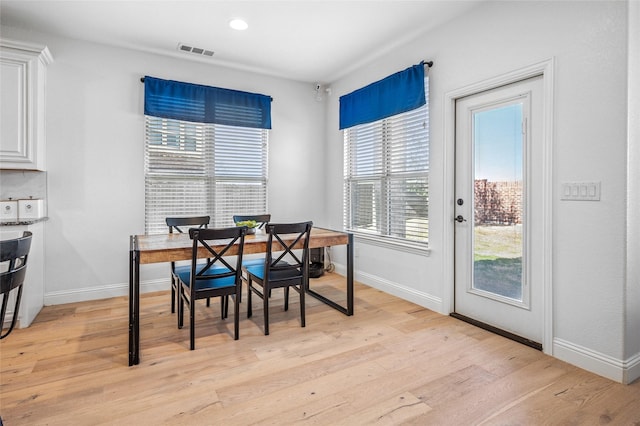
[(136, 299), (350, 251), (134, 303), (349, 309)]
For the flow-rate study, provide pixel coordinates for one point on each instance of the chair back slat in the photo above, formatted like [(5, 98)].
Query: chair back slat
[(288, 250), (12, 278), (286, 258), (16, 248), (13, 260), (175, 223), (229, 238)]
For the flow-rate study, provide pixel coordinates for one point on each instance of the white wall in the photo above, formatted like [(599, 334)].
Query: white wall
[(95, 161), (588, 41), (632, 347)]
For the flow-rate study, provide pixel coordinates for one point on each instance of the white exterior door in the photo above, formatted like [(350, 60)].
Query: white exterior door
[(499, 260)]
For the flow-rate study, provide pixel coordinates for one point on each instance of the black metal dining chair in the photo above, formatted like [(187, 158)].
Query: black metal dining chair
[(177, 224), (13, 261), (219, 276), (286, 266)]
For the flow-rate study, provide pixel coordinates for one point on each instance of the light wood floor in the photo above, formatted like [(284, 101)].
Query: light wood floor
[(391, 363)]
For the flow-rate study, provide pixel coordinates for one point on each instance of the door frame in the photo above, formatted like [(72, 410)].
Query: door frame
[(544, 69)]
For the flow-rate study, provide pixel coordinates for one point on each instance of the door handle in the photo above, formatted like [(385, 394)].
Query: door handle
[(459, 219)]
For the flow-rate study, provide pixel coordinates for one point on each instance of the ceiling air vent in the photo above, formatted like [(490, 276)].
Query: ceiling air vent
[(196, 50)]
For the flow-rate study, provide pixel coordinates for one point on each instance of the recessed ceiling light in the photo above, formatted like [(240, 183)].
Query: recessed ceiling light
[(238, 24)]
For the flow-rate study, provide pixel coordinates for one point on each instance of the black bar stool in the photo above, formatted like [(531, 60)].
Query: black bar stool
[(13, 254)]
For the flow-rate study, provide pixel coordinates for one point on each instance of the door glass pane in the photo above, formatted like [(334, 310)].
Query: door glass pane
[(498, 201)]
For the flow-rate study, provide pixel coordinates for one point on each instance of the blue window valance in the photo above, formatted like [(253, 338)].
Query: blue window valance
[(205, 104), (397, 93)]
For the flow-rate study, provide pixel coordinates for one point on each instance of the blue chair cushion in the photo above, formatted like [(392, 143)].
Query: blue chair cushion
[(253, 262), (230, 281), (181, 269), (255, 270), (258, 272)]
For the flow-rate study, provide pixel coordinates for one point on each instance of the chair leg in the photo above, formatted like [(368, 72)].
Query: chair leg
[(286, 298), (192, 324), (242, 281), (173, 294), (180, 306), (224, 306), (302, 310), (265, 304), (236, 316), (3, 310), (249, 309)]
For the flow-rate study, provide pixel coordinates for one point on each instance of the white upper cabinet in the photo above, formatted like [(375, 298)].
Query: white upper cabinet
[(22, 105)]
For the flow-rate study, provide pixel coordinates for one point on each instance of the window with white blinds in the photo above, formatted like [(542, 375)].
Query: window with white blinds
[(386, 177), (194, 169)]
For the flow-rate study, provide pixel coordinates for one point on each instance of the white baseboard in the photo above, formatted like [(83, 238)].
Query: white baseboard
[(103, 292), (622, 371), (631, 369), (116, 290), (423, 299)]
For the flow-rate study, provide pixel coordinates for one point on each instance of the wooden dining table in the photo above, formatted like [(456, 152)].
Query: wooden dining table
[(162, 248)]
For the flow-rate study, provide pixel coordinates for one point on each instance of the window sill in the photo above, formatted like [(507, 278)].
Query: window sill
[(377, 240)]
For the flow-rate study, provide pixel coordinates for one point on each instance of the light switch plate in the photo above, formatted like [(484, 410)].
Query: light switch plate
[(580, 191)]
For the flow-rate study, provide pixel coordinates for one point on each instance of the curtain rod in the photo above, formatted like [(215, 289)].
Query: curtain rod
[(427, 63)]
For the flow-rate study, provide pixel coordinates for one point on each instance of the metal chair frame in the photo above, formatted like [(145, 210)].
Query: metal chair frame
[(204, 278), (286, 271)]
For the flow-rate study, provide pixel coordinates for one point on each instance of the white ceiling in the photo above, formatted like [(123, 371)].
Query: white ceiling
[(306, 40)]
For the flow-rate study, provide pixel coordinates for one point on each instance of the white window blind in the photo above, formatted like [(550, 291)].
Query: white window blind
[(194, 169), (386, 176)]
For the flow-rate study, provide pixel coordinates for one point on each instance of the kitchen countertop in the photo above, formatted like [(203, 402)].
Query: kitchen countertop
[(24, 222)]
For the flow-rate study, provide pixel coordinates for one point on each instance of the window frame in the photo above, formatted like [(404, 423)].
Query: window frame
[(203, 165), (382, 236)]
